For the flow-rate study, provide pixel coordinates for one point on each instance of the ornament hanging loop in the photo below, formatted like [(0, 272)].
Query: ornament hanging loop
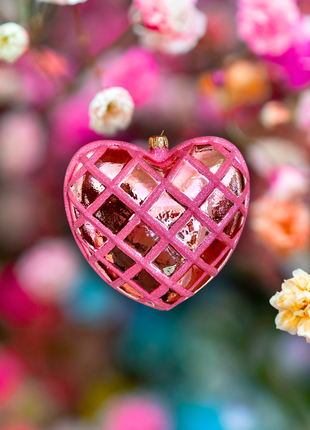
[(158, 141)]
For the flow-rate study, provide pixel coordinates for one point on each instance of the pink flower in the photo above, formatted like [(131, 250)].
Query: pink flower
[(269, 27), (169, 26), (268, 154), (137, 71), (49, 270), (164, 16), (22, 143), (288, 182), (136, 413)]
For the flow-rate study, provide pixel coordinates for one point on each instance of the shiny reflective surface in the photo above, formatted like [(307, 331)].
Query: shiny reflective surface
[(222, 261), (162, 170), (139, 185), (130, 291), (170, 297), (153, 305), (216, 206), (87, 189), (92, 236), (114, 214), (209, 156), (167, 210), (146, 281), (169, 260), (189, 180), (213, 251), (234, 225), (75, 212), (119, 259), (142, 238), (112, 162), (234, 180), (202, 283), (108, 273), (193, 234), (190, 277)]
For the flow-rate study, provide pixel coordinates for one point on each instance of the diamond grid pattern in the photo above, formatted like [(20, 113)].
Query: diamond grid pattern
[(155, 298)]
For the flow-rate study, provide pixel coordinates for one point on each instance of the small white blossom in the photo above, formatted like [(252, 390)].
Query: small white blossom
[(14, 41), (111, 110), (63, 2)]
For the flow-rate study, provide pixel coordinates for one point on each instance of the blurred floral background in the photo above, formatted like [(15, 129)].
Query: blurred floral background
[(74, 353)]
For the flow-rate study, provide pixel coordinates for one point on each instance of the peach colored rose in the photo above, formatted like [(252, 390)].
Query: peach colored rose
[(282, 226)]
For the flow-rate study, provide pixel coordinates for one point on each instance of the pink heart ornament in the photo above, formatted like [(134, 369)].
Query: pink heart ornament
[(157, 226)]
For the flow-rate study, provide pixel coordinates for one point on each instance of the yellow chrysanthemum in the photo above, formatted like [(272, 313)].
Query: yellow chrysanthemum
[(293, 303)]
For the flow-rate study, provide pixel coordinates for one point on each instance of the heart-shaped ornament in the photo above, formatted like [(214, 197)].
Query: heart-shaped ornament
[(157, 226)]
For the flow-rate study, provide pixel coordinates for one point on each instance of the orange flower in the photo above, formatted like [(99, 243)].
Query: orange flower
[(282, 226), (246, 83)]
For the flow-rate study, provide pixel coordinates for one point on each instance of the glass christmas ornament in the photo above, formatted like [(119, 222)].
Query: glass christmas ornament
[(157, 226)]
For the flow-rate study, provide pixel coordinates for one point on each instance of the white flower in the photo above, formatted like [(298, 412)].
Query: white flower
[(293, 304), (63, 2), (49, 270), (14, 41), (111, 110)]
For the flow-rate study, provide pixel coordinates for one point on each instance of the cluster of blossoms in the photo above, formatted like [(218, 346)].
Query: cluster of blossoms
[(14, 39), (72, 71), (168, 26)]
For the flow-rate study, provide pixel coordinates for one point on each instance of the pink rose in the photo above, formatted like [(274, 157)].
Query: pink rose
[(164, 16), (169, 26), (269, 27)]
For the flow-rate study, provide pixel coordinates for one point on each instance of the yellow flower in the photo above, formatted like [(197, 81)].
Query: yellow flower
[(293, 303)]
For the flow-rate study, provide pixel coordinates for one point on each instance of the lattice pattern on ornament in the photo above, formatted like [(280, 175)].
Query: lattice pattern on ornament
[(158, 233)]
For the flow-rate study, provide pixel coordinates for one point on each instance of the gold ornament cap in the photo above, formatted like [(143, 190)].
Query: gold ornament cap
[(158, 141)]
